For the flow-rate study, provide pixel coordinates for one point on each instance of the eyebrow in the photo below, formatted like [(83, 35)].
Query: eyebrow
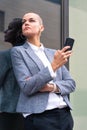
[(29, 18)]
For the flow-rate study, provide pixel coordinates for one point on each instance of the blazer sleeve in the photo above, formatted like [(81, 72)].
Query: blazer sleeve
[(67, 83), (28, 83)]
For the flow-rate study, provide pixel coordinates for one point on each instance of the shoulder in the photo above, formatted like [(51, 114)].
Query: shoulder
[(18, 48), (5, 54), (5, 58), (17, 51), (50, 49)]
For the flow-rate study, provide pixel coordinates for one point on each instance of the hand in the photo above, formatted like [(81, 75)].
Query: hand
[(47, 88), (60, 58)]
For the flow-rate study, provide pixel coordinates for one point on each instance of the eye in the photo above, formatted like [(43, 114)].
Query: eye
[(31, 20), (23, 21)]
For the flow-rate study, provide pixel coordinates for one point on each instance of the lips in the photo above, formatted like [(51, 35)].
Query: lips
[(27, 28)]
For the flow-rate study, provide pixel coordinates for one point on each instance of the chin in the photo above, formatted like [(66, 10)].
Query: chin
[(27, 33), (5, 40)]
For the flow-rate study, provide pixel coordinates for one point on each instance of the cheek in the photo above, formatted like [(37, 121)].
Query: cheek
[(36, 29), (22, 28)]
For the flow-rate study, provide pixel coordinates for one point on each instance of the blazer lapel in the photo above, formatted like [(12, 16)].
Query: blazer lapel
[(49, 54), (33, 56)]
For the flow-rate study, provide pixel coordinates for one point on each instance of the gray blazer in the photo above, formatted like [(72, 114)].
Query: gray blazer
[(9, 89), (26, 64)]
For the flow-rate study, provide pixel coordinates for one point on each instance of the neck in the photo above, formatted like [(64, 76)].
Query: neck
[(34, 41)]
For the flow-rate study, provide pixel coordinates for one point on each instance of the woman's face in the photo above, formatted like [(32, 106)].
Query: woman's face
[(9, 33), (31, 25)]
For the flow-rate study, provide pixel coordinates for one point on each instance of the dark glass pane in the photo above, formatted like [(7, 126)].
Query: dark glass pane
[(2, 15)]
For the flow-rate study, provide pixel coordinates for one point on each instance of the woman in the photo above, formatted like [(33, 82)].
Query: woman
[(44, 81), (9, 89)]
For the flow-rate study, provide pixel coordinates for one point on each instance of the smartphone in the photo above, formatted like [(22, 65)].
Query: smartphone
[(69, 42)]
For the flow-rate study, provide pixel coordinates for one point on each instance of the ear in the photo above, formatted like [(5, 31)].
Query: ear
[(42, 28)]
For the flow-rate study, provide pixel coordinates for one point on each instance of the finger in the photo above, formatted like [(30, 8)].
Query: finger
[(68, 52), (65, 48)]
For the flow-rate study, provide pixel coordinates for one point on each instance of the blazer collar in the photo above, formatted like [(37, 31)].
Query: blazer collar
[(49, 54), (35, 58), (26, 45)]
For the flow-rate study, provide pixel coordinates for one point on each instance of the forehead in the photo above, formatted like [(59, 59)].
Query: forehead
[(30, 15), (33, 16)]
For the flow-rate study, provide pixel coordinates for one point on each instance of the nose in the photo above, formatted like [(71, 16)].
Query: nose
[(27, 22), (5, 31)]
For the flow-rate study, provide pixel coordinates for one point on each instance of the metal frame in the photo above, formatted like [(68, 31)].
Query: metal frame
[(64, 23)]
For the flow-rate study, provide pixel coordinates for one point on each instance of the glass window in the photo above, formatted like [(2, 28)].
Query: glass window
[(53, 15), (2, 17)]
